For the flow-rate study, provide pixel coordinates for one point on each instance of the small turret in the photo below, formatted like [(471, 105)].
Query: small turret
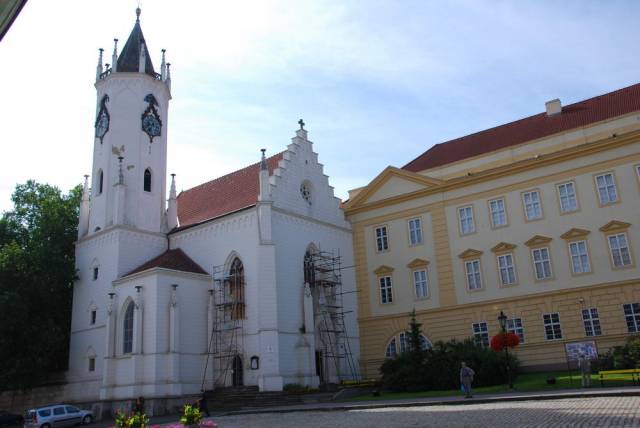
[(99, 69), (265, 194), (114, 56)]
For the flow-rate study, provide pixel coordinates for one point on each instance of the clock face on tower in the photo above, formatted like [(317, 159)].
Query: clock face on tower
[(103, 119), (151, 123)]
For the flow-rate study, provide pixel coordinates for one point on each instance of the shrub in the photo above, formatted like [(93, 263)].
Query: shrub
[(296, 388), (132, 420), (626, 356), (438, 368), (191, 415)]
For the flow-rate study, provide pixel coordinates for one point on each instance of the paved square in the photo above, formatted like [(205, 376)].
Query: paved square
[(575, 412)]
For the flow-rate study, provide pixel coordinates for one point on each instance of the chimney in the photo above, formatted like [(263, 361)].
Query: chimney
[(553, 107)]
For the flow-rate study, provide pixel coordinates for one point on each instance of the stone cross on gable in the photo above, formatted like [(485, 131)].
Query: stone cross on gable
[(301, 123)]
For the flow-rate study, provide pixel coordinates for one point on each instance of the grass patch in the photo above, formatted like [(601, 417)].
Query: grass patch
[(524, 382)]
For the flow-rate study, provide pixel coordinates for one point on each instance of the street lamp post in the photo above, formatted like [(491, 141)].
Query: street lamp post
[(502, 319)]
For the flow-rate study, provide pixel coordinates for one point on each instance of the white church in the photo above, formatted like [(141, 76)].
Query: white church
[(245, 280)]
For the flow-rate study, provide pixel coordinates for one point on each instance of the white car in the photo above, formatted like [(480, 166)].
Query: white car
[(56, 416)]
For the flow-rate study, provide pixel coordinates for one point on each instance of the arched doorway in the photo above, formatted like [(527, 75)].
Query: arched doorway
[(238, 374)]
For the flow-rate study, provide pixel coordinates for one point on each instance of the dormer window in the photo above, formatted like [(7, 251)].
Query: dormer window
[(147, 180)]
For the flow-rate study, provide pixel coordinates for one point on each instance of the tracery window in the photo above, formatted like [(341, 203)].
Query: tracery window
[(235, 284), (127, 330)]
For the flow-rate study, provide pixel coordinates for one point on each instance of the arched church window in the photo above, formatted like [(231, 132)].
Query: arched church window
[(127, 336), (236, 290), (309, 268), (147, 180), (100, 181)]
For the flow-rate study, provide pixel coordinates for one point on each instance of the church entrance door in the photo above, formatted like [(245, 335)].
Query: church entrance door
[(237, 371)]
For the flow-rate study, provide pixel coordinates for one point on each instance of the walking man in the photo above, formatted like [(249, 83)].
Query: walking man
[(584, 364), (466, 377)]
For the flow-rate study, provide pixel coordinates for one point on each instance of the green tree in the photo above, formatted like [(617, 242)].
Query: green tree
[(37, 271), (415, 333)]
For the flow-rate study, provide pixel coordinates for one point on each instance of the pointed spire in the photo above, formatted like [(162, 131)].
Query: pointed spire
[(163, 67), (114, 56), (120, 173), (143, 58), (99, 67), (168, 79), (263, 178), (172, 209), (83, 218), (132, 52), (263, 160), (85, 188)]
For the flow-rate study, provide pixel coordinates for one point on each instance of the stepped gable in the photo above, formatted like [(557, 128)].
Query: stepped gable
[(224, 195), (174, 259), (583, 113)]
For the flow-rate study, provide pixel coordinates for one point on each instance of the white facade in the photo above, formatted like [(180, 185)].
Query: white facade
[(124, 224)]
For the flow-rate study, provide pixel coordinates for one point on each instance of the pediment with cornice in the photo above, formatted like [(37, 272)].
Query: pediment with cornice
[(470, 253), (383, 269), (575, 233), (615, 226), (538, 240), (417, 263), (503, 247)]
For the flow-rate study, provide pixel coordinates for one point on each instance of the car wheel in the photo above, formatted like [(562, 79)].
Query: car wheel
[(45, 426), (87, 420)]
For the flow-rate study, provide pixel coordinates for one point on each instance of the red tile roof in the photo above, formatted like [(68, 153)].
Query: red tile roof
[(576, 115), (171, 259), (224, 195)]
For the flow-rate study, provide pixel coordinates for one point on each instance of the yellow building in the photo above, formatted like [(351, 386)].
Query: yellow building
[(539, 218)]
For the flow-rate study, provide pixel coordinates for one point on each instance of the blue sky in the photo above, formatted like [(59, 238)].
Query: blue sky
[(376, 82)]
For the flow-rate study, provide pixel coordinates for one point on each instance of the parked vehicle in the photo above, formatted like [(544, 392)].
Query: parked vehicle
[(57, 416), (8, 419)]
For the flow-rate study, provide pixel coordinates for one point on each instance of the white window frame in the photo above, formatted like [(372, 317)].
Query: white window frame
[(544, 263), (508, 268), (391, 351), (415, 233), (514, 325), (421, 283), (498, 213), (555, 335), (631, 313), (480, 333), (591, 321), (385, 284), (573, 197), (382, 239), (606, 188), (580, 255), (466, 217), (400, 343), (536, 205), (620, 249), (474, 276)]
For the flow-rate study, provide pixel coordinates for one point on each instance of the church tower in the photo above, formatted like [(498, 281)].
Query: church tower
[(130, 148)]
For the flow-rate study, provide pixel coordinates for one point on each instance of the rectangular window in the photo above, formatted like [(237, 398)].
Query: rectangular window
[(382, 241), (552, 329), (498, 213), (515, 326), (619, 250), (421, 283), (93, 317), (404, 342), (386, 295), (606, 188), (579, 257), (532, 205), (632, 316), (481, 333), (507, 269), (92, 364), (465, 216), (474, 280), (95, 273), (415, 231), (591, 322), (541, 263), (568, 200)]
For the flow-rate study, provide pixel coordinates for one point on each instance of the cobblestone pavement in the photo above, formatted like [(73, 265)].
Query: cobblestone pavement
[(575, 412)]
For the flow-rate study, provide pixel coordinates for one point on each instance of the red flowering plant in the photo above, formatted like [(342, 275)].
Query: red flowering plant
[(504, 340)]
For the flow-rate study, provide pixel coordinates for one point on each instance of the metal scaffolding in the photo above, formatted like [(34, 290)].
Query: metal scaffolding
[(323, 272), (225, 343)]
